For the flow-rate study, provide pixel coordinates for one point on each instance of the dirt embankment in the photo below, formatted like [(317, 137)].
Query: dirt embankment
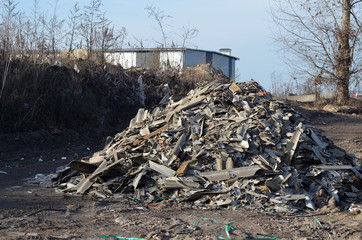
[(344, 129), (81, 95)]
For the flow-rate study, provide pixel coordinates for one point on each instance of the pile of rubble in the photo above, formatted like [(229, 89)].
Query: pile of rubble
[(203, 72), (221, 145)]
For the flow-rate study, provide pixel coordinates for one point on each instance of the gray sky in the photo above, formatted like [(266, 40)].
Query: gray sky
[(242, 25)]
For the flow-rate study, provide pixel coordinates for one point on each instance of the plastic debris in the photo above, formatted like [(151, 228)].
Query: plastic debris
[(320, 224), (355, 210), (119, 237)]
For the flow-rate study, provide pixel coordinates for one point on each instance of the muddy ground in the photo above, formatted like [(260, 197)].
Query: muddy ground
[(29, 211)]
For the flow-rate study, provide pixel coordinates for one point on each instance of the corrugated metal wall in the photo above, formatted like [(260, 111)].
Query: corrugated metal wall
[(175, 60)]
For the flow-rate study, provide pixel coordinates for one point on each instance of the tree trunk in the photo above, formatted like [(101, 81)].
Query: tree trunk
[(344, 59)]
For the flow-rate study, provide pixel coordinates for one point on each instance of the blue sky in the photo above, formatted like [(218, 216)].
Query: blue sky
[(242, 25)]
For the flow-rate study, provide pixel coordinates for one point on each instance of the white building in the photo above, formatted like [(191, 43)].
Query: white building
[(175, 59)]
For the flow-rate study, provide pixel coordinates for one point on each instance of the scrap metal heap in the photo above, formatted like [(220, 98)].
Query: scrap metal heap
[(221, 145)]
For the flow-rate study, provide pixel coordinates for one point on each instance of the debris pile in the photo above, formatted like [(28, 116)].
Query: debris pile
[(203, 72), (224, 144)]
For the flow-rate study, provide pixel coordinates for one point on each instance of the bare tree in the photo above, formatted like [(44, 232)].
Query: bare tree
[(89, 26), (122, 34), (321, 40), (21, 33), (280, 87), (41, 47), (110, 38), (54, 30), (161, 20), (138, 44), (73, 24), (107, 36), (188, 33), (8, 25), (35, 24)]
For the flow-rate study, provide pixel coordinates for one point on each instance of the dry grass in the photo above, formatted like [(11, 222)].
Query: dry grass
[(97, 96)]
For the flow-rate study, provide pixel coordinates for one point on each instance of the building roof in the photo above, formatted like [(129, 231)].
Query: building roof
[(169, 50)]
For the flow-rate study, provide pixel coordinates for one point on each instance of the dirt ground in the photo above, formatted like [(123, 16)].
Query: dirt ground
[(29, 211)]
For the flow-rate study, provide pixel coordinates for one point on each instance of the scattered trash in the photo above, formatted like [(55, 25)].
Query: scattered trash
[(196, 223), (274, 238), (67, 210), (320, 224), (119, 237), (70, 208), (48, 209), (206, 219), (265, 235), (194, 226), (41, 179), (228, 227), (222, 145), (354, 210)]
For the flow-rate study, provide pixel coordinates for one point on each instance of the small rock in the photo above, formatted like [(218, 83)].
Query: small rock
[(332, 202), (330, 108)]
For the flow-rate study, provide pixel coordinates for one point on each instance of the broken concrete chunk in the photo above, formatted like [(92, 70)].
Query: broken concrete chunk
[(218, 164), (86, 183), (316, 139), (144, 131), (335, 167), (241, 172), (168, 172), (293, 142), (82, 167), (229, 163), (318, 154), (96, 159), (235, 88), (180, 182), (192, 103), (177, 148), (141, 171)]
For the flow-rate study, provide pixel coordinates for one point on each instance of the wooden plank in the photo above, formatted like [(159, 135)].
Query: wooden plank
[(181, 171), (235, 88), (138, 141)]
